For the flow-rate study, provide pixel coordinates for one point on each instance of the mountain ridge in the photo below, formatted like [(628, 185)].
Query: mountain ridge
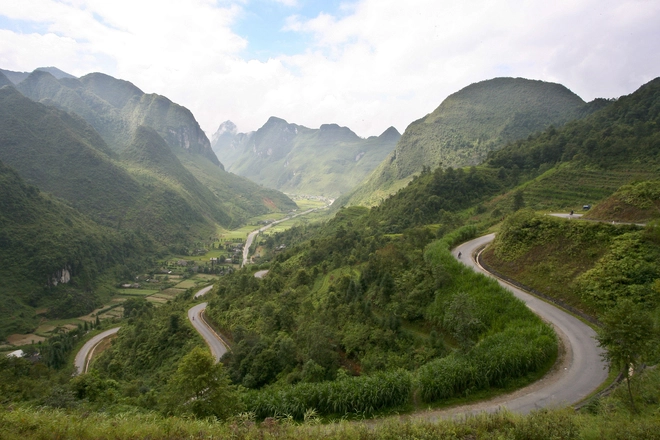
[(465, 127), (296, 159)]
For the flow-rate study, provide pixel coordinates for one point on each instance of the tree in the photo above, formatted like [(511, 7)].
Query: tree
[(518, 201), (627, 335), (201, 387), (462, 321)]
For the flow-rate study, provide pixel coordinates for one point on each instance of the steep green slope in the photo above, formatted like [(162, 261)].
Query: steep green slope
[(52, 256), (238, 196), (469, 124), (326, 161), (117, 108), (637, 202), (61, 154), (588, 159), (150, 160)]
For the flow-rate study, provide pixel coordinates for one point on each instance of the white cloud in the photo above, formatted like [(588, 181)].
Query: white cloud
[(381, 63), (289, 3)]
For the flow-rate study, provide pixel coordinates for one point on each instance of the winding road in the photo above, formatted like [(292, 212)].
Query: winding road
[(579, 372), (583, 369), (85, 354), (213, 340)]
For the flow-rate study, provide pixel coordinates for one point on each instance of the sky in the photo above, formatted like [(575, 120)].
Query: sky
[(364, 64)]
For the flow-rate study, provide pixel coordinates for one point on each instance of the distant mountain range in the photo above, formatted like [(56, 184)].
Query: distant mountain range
[(17, 77), (327, 161), (469, 124)]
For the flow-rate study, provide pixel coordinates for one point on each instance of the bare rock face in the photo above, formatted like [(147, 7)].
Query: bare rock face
[(62, 276)]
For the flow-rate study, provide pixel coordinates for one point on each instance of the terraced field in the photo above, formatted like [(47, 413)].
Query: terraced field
[(570, 187)]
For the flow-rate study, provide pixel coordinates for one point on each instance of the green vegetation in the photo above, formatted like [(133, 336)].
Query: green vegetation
[(587, 265), (352, 304), (609, 417), (368, 314), (469, 124), (201, 387), (629, 336), (589, 159), (638, 202), (328, 161), (54, 258), (116, 109)]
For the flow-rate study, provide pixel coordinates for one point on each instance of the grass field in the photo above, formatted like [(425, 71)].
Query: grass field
[(186, 284), (137, 292)]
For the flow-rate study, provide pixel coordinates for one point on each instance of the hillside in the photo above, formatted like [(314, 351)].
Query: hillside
[(469, 124), (589, 159), (327, 161), (61, 154), (370, 314), (117, 108), (637, 202), (52, 256)]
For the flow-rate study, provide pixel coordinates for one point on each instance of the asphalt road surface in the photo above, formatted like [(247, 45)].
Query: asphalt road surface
[(81, 362), (583, 370), (213, 340)]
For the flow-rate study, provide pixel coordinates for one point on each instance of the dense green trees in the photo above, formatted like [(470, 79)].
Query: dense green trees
[(629, 336), (201, 387)]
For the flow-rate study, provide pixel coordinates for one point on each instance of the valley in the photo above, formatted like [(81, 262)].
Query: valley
[(350, 305)]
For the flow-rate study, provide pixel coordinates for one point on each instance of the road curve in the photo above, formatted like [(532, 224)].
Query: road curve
[(82, 358), (583, 370), (213, 340)]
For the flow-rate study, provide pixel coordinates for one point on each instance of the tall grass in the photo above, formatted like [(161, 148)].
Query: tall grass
[(361, 395)]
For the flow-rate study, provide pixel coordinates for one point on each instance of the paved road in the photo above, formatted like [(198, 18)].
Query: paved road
[(583, 370), (213, 340), (81, 362), (578, 216), (253, 234), (261, 273), (204, 291)]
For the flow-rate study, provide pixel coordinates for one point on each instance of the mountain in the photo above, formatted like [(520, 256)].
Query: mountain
[(292, 158), (153, 162), (228, 144), (469, 124), (17, 77), (61, 154), (116, 109), (589, 159), (4, 81), (51, 256)]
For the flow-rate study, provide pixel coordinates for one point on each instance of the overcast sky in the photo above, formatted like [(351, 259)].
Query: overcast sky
[(366, 64)]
